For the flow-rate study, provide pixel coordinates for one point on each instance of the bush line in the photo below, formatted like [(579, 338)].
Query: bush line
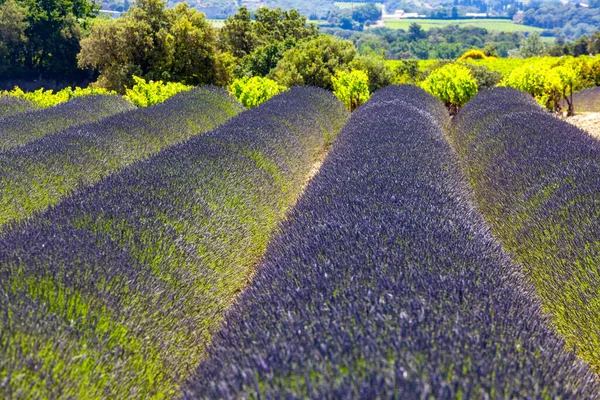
[(385, 283), (537, 181), (41, 173), (115, 292), (19, 129)]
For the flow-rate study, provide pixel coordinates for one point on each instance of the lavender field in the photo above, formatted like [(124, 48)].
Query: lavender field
[(196, 249)]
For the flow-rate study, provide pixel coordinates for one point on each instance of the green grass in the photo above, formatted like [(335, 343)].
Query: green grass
[(500, 25)]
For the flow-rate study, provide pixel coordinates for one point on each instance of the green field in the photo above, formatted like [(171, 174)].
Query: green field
[(501, 25)]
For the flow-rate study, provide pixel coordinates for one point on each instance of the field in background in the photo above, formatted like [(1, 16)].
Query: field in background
[(500, 25)]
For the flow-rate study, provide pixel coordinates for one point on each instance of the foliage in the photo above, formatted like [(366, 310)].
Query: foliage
[(384, 282), (145, 94), (473, 55), (485, 77), (263, 59), (352, 88), (19, 129), (407, 71), (48, 98), (532, 46), (453, 84), (241, 35), (252, 92), (155, 43), (42, 37), (536, 180), (380, 75), (42, 173), (315, 62), (161, 248), (550, 82)]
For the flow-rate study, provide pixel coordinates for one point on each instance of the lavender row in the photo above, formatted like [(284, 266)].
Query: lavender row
[(384, 282), (115, 292), (19, 129), (40, 174), (537, 181), (12, 105)]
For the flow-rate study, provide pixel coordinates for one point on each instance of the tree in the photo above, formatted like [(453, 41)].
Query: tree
[(367, 12), (42, 36), (237, 34), (155, 43), (593, 46), (532, 46), (254, 91), (380, 75), (314, 62), (13, 25), (453, 84), (415, 32), (352, 88), (263, 59), (241, 35)]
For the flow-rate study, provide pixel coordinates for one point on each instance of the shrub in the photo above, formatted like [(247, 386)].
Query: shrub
[(126, 280), (473, 55), (385, 283), (19, 129), (485, 77), (453, 84), (352, 88), (253, 91), (537, 181), (11, 105), (44, 171), (47, 98), (146, 94)]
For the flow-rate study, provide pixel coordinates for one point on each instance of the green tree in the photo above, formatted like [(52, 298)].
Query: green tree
[(380, 75), (254, 91), (593, 46), (155, 43), (366, 12), (263, 59), (453, 84), (237, 35), (42, 36), (314, 62), (532, 46), (352, 88), (241, 35), (13, 40)]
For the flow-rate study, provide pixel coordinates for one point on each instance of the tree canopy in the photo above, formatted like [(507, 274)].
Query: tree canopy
[(155, 43), (42, 37)]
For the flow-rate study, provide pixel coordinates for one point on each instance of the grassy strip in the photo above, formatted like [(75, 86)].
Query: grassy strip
[(11, 105), (385, 283), (20, 129), (115, 292), (498, 25), (41, 173), (537, 181)]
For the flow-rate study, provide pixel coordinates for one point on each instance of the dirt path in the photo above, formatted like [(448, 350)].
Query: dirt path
[(589, 122)]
